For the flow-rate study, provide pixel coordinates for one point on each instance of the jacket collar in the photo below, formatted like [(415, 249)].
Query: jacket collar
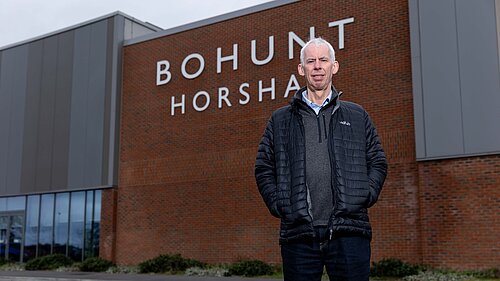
[(297, 102)]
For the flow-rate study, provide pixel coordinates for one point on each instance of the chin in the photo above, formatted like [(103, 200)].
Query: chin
[(318, 88)]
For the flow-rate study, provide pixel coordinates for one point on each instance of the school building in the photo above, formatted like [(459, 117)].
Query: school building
[(123, 140)]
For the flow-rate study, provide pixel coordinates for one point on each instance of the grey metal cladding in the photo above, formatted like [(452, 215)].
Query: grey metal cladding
[(115, 28), (88, 106), (115, 100), (46, 115), (479, 75), (79, 107), (3, 131), (133, 29), (440, 74), (416, 69), (78, 118), (95, 104), (62, 111), (497, 15), (59, 107), (456, 78), (30, 141), (18, 95), (12, 95)]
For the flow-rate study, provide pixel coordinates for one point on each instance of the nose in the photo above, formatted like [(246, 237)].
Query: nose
[(317, 64)]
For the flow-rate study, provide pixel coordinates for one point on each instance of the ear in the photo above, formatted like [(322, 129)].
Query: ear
[(300, 69), (335, 67)]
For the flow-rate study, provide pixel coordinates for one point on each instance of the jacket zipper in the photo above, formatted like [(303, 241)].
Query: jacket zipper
[(308, 195), (319, 128), (324, 126), (333, 165)]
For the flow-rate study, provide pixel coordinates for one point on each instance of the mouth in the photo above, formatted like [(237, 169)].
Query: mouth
[(318, 77)]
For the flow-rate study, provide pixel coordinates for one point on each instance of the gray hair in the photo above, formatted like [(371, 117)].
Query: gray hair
[(317, 42)]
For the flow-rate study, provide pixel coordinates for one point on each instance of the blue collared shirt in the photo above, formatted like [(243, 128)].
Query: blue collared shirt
[(314, 106)]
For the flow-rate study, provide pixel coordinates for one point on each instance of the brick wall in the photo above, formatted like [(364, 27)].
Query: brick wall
[(460, 208), (186, 181)]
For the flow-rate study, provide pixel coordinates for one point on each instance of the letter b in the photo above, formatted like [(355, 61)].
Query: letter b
[(162, 72)]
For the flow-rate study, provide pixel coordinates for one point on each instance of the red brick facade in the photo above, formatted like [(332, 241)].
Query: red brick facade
[(186, 182)]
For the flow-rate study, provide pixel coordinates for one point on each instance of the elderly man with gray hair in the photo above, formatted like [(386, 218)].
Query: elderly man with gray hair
[(320, 166)]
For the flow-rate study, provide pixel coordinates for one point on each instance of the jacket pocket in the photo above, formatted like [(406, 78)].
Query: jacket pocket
[(352, 197)]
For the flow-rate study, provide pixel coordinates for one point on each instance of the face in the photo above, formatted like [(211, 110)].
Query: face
[(318, 68)]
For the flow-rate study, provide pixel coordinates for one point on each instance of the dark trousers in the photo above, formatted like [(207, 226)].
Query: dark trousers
[(345, 258)]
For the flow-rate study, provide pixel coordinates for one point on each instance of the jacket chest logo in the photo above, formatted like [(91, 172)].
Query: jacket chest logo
[(345, 123)]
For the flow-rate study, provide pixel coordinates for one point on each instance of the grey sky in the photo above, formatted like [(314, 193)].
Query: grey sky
[(24, 19)]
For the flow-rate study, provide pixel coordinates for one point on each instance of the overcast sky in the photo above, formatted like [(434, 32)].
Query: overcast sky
[(24, 19)]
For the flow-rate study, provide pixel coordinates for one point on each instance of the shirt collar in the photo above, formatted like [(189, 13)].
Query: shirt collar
[(314, 106)]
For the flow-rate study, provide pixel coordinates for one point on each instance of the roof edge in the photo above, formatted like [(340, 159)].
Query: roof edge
[(208, 21), (75, 26)]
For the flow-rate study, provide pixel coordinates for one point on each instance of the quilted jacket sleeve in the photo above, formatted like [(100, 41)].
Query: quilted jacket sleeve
[(375, 160), (265, 170)]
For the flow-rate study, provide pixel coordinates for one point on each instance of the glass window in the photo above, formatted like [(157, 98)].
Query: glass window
[(3, 204), (76, 227), (66, 223), (92, 223), (15, 237), (46, 225), (61, 216), (15, 203), (96, 222), (89, 217), (4, 227), (31, 233)]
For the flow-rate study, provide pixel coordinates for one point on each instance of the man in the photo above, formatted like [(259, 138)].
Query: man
[(319, 167)]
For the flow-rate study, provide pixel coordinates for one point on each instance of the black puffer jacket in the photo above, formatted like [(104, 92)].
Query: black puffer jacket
[(359, 169)]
